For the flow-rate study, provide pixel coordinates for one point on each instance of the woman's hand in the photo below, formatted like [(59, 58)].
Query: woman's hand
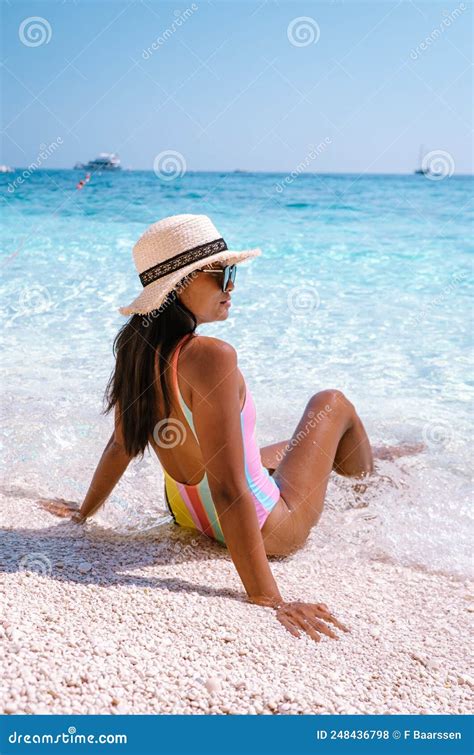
[(311, 618), (61, 507)]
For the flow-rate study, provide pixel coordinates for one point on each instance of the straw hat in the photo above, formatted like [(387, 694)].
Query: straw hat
[(171, 249)]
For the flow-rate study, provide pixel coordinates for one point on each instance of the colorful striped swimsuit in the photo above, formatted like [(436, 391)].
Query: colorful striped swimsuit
[(192, 505)]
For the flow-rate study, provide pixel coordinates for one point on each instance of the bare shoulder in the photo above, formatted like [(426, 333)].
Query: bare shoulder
[(209, 360), (207, 348)]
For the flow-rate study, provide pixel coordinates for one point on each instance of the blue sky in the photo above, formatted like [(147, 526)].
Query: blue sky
[(242, 84)]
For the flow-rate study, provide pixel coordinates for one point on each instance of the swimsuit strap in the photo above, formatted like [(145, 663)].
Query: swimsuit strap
[(174, 361), (174, 371), (184, 407)]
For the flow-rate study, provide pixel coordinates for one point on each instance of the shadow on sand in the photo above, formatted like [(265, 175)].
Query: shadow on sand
[(91, 554)]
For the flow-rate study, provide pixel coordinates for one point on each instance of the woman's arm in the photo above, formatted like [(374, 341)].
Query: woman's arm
[(112, 464), (244, 541), (216, 413)]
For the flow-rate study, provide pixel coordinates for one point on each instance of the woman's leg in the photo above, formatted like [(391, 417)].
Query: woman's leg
[(273, 454), (329, 435)]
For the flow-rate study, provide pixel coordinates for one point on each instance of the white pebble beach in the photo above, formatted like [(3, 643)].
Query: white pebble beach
[(94, 622)]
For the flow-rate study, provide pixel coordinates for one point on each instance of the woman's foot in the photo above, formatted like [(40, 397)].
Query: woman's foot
[(388, 453)]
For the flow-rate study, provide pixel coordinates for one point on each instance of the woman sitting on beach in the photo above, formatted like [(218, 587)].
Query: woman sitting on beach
[(183, 394)]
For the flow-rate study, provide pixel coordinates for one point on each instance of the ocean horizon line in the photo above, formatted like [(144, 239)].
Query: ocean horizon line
[(231, 171)]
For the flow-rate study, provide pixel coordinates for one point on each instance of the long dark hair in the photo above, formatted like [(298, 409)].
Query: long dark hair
[(132, 383)]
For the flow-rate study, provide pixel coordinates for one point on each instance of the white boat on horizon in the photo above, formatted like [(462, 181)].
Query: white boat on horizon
[(103, 161)]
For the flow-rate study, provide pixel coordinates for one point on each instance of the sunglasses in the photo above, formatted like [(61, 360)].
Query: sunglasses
[(227, 274)]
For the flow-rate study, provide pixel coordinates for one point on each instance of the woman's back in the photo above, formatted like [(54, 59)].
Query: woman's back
[(187, 486), (174, 440)]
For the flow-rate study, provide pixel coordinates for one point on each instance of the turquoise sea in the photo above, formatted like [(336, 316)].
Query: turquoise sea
[(365, 284)]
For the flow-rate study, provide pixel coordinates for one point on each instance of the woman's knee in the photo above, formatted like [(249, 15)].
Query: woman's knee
[(332, 401)]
